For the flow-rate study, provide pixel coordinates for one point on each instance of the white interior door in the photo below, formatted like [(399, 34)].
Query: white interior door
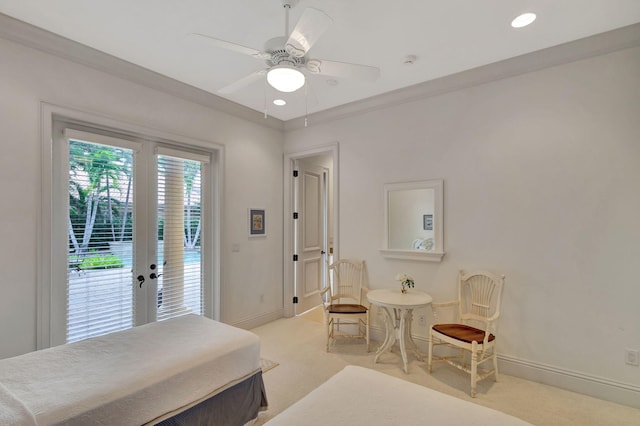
[(312, 235)]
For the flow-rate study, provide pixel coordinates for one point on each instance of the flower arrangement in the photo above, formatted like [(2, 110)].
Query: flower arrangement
[(405, 281)]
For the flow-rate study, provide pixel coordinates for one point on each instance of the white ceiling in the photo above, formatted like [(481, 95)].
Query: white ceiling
[(447, 36)]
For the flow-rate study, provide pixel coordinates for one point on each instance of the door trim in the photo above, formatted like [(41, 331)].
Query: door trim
[(51, 113), (289, 159)]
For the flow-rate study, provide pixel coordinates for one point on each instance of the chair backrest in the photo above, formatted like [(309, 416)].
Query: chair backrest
[(479, 295), (346, 279)]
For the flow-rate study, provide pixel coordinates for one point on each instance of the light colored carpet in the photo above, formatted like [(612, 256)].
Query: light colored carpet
[(299, 346)]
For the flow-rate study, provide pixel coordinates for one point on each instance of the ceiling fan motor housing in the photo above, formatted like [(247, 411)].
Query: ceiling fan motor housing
[(279, 55)]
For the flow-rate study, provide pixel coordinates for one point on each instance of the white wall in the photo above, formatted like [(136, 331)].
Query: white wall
[(541, 182), (253, 178)]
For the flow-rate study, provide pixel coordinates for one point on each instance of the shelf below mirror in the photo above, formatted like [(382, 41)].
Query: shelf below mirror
[(427, 256)]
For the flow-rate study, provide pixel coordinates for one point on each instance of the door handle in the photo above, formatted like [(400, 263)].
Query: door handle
[(153, 275), (323, 252), (140, 280)]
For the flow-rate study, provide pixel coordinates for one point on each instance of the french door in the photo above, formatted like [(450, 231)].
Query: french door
[(130, 234)]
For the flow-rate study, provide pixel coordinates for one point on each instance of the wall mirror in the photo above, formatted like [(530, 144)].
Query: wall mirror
[(413, 220)]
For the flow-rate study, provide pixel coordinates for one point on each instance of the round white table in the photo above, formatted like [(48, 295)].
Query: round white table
[(398, 323)]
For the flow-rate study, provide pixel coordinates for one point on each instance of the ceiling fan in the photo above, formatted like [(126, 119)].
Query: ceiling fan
[(286, 56)]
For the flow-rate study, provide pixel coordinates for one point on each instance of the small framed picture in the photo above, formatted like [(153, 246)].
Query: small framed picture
[(257, 223), (427, 222)]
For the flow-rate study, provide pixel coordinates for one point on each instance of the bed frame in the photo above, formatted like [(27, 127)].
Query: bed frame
[(186, 370)]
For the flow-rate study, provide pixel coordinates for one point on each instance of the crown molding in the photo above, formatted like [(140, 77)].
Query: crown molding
[(596, 45), (26, 34)]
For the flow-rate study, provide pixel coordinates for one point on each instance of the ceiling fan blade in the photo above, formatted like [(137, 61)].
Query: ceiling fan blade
[(343, 69), (243, 82), (312, 24), (233, 46)]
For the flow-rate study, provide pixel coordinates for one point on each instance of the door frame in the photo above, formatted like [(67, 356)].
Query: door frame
[(288, 225), (50, 114)]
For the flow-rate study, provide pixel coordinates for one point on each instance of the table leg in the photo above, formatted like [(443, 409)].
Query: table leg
[(409, 336), (390, 334), (406, 339), (402, 331), (398, 328)]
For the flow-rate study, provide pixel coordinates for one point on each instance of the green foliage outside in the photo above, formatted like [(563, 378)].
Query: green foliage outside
[(100, 202), (100, 261)]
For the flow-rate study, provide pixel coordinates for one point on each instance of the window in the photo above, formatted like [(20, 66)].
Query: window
[(179, 235), (99, 260), (131, 235)]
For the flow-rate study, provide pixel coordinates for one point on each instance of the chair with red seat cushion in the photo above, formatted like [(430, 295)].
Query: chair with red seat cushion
[(474, 331)]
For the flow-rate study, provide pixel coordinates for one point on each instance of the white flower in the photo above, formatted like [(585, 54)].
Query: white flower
[(405, 279)]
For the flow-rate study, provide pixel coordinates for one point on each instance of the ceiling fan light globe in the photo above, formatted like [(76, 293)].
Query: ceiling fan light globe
[(285, 79)]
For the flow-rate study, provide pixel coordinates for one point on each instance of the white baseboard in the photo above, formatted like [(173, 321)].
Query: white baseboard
[(597, 387), (258, 320)]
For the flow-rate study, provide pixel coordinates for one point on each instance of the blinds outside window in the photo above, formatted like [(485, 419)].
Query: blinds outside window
[(100, 229), (179, 235)]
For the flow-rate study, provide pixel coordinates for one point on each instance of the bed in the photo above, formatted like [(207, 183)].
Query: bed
[(358, 396), (186, 370)]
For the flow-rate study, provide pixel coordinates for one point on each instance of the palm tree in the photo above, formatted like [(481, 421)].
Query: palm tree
[(127, 167), (94, 170), (191, 175)]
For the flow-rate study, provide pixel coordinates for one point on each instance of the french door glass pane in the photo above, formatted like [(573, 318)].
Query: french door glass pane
[(179, 235), (100, 229)]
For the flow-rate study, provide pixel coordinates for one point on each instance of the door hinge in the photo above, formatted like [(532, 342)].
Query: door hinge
[(295, 299), (295, 215), (295, 257), (295, 173)]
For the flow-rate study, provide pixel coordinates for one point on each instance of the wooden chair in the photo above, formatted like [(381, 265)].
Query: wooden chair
[(479, 298), (345, 302)]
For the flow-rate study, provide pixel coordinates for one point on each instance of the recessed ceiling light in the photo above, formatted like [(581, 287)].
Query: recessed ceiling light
[(523, 20), (410, 59), (280, 102)]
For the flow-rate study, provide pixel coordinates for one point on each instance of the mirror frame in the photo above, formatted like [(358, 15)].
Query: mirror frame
[(438, 222)]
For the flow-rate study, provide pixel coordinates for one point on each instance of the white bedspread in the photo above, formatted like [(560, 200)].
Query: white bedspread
[(130, 377), (358, 396), (12, 411)]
